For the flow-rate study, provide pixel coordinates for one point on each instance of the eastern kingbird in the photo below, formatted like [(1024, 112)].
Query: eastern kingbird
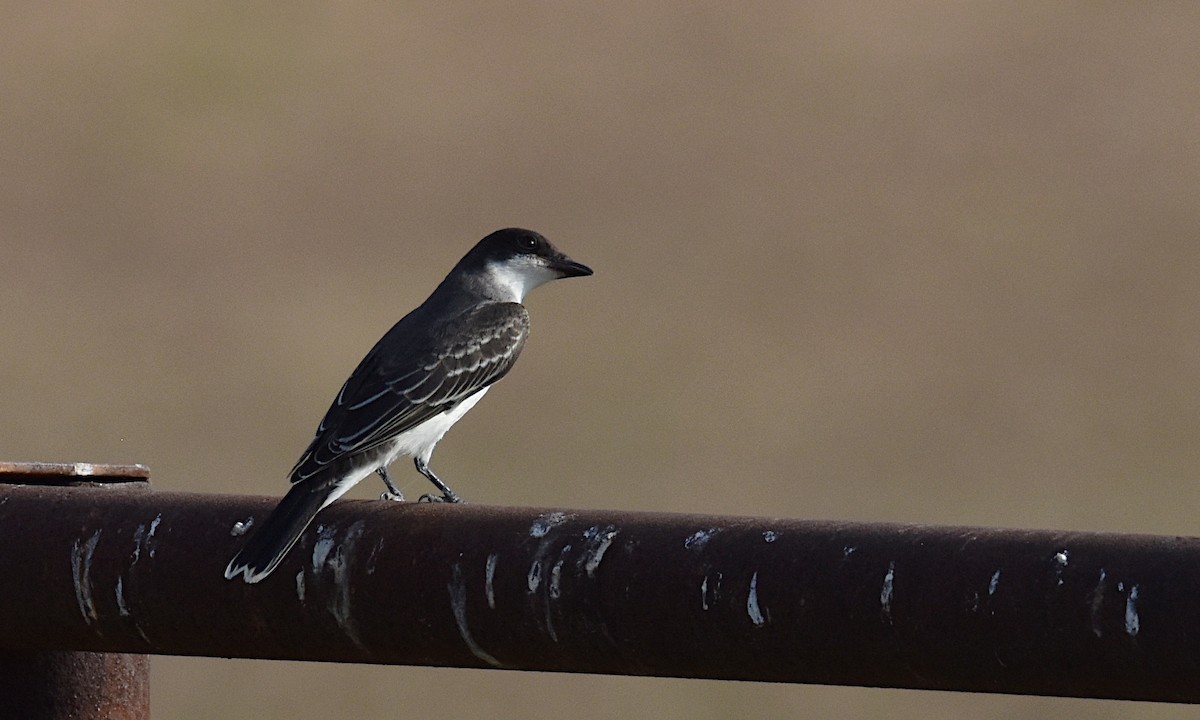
[(418, 380)]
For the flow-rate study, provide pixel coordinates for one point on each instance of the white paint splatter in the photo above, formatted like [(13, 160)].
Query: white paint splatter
[(848, 550), (85, 469), (752, 607), (373, 556), (770, 536), (533, 581), (81, 576), (994, 583), (332, 559), (545, 523), (534, 578), (150, 535), (323, 546), (143, 539), (709, 594), (697, 540), (597, 540), (458, 604), (1097, 603), (489, 574), (885, 593), (300, 586), (555, 588), (122, 609), (137, 544), (540, 566), (241, 527), (1060, 560), (1133, 623)]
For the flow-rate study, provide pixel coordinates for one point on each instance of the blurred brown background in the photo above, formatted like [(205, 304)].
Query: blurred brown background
[(926, 261)]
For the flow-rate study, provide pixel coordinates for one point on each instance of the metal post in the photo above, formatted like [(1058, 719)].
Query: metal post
[(76, 685), (54, 684)]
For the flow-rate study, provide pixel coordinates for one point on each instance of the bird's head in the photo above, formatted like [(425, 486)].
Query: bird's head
[(514, 261)]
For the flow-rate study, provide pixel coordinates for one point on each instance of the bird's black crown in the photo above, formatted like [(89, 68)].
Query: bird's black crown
[(510, 243)]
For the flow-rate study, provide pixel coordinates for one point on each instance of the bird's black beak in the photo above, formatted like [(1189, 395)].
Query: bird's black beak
[(567, 267)]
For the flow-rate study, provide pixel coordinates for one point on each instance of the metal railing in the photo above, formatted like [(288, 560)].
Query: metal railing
[(112, 567)]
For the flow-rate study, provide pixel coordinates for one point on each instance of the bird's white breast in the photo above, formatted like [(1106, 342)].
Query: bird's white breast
[(419, 441)]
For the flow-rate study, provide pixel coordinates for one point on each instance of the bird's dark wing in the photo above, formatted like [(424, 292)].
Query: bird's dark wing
[(408, 378)]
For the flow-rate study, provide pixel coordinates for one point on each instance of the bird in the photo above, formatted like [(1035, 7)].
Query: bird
[(422, 376)]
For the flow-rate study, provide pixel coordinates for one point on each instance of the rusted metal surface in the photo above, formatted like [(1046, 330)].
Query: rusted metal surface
[(76, 685), (975, 609), (61, 685)]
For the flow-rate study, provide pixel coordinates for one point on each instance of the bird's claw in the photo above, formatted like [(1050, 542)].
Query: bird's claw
[(392, 496), (431, 498)]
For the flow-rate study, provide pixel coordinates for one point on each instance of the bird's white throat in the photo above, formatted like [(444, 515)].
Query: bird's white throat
[(514, 278)]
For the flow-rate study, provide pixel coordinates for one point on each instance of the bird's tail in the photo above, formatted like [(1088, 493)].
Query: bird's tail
[(279, 532)]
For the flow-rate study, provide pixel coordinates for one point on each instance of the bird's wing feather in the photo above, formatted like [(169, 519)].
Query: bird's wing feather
[(407, 379)]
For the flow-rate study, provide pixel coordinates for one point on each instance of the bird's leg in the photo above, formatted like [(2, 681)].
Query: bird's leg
[(393, 492), (447, 494)]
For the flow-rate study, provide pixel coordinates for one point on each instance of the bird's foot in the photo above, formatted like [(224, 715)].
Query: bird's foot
[(392, 496), (447, 498)]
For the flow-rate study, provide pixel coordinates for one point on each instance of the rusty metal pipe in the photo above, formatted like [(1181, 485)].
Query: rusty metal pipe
[(948, 608), (62, 685)]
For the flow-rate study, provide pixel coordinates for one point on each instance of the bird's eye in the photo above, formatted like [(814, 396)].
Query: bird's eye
[(527, 243)]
